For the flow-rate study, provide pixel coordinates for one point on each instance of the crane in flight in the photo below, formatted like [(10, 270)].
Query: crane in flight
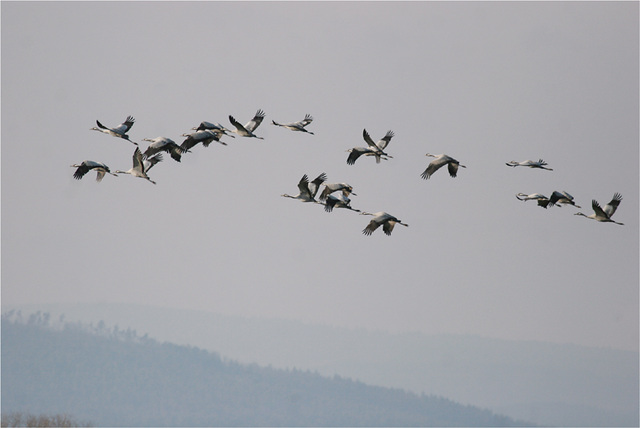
[(247, 130), (381, 218), (119, 131), (380, 145), (88, 165), (439, 162), (563, 198), (340, 201), (297, 126), (205, 136), (308, 190), (604, 214), (163, 144), (529, 163), (356, 152), (543, 201), (329, 188), (214, 127), (140, 166), (375, 149)]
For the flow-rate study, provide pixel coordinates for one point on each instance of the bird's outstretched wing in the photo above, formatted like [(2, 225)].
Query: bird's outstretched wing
[(453, 169), (150, 162), (316, 183), (137, 160), (331, 202), (371, 227), (555, 197), (355, 153), (237, 124), (307, 120), (255, 122), (598, 209), (434, 165), (124, 127), (81, 171), (387, 227), (612, 206), (384, 141), (368, 139), (100, 173), (303, 185)]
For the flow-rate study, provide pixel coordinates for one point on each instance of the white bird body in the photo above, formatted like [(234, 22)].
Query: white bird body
[(88, 165), (381, 218), (205, 136), (140, 166), (163, 144), (329, 188), (543, 201), (297, 126), (247, 130), (604, 215), (439, 162), (529, 163), (119, 131), (563, 198), (308, 190), (340, 201)]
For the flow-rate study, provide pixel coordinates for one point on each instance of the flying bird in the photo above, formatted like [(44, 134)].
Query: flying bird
[(206, 137), (163, 144), (531, 164), (562, 198), (386, 220), (604, 215), (380, 145), (372, 149), (141, 166), (87, 166), (356, 152), (329, 188), (308, 190), (214, 127), (119, 131), (339, 201), (543, 201), (297, 126), (440, 161), (247, 130)]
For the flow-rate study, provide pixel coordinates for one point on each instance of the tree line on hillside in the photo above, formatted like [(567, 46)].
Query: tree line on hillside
[(19, 419), (117, 378)]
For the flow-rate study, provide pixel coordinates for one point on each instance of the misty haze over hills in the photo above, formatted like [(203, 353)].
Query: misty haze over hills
[(544, 383), (115, 377)]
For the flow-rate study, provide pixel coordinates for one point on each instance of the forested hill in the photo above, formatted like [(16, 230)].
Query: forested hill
[(117, 378)]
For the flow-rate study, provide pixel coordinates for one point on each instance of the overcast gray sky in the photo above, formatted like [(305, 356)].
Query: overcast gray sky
[(483, 82)]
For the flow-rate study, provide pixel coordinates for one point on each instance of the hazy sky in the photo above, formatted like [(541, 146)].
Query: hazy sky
[(483, 82)]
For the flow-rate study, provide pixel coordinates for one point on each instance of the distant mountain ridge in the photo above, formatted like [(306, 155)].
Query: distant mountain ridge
[(547, 384), (114, 377)]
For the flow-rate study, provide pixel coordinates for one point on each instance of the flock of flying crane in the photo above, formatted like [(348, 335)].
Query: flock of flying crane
[(208, 132)]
